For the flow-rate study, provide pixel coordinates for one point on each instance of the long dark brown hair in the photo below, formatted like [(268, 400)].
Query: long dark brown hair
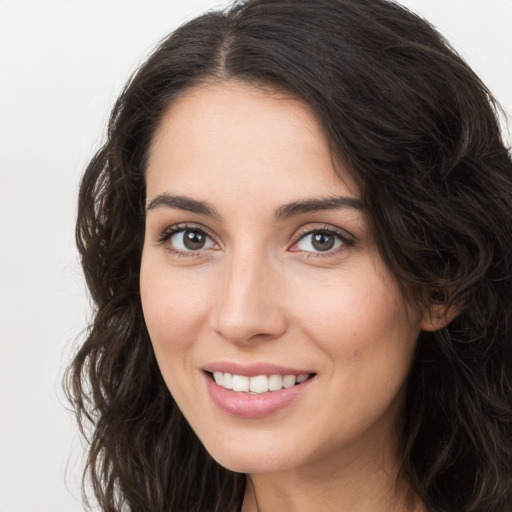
[(419, 132)]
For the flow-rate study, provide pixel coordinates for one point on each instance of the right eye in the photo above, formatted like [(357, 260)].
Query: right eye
[(187, 240)]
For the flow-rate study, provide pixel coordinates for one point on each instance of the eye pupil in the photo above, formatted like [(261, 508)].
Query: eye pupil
[(193, 240), (322, 241)]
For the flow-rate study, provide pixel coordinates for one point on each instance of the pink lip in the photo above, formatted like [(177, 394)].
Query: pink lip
[(254, 405)]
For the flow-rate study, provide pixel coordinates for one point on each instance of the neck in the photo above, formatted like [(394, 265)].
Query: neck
[(357, 485)]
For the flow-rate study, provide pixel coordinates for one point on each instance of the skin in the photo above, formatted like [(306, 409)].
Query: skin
[(260, 291)]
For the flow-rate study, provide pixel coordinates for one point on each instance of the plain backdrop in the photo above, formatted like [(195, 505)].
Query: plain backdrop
[(62, 64)]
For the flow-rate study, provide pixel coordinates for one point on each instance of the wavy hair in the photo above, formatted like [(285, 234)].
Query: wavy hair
[(420, 134)]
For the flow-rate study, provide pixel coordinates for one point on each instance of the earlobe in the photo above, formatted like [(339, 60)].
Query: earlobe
[(438, 316)]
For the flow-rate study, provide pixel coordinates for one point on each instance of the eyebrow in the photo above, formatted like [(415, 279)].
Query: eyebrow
[(182, 203), (314, 205), (284, 212)]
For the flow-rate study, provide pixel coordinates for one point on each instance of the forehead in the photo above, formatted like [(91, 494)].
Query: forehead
[(235, 135)]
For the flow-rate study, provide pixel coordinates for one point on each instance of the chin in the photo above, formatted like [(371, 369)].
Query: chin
[(253, 458), (243, 465)]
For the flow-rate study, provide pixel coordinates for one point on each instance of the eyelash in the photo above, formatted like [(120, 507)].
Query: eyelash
[(343, 237), (346, 241), (169, 232)]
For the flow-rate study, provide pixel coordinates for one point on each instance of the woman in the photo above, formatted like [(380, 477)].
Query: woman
[(298, 239)]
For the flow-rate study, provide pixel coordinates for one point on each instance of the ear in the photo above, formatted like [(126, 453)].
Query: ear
[(439, 315)]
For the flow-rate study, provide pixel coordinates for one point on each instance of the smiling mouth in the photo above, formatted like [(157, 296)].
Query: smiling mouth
[(258, 384)]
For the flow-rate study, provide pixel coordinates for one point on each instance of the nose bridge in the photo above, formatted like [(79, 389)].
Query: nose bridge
[(248, 305)]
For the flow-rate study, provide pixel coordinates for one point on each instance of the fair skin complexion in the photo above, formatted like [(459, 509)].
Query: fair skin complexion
[(257, 252)]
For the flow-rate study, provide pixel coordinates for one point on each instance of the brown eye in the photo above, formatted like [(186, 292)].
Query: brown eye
[(194, 240), (321, 241), (186, 240)]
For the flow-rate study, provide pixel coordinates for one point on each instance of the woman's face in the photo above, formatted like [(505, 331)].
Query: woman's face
[(258, 264)]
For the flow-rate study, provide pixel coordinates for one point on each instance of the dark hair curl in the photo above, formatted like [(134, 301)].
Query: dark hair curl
[(419, 132)]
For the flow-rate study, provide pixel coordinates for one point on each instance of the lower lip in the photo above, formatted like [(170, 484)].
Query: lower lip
[(256, 405)]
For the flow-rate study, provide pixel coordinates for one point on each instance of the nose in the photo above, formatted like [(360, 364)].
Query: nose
[(249, 306)]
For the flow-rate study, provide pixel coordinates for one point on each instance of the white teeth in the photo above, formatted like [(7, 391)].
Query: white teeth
[(228, 381), (240, 383), (259, 383), (275, 382), (289, 381)]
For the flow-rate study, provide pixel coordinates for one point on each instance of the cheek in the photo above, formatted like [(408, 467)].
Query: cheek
[(363, 324), (174, 311), (369, 335), (173, 304)]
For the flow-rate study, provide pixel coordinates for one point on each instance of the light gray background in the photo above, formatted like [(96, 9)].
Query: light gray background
[(62, 64)]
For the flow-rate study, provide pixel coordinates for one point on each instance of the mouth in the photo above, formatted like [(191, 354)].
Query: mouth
[(258, 384), (259, 394)]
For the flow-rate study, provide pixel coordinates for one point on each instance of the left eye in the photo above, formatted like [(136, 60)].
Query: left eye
[(320, 241), (191, 240)]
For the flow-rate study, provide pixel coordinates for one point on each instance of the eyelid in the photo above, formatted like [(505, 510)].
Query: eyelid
[(166, 234), (347, 239), (172, 229)]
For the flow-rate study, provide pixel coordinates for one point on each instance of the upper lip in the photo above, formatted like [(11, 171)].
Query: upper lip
[(253, 369)]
